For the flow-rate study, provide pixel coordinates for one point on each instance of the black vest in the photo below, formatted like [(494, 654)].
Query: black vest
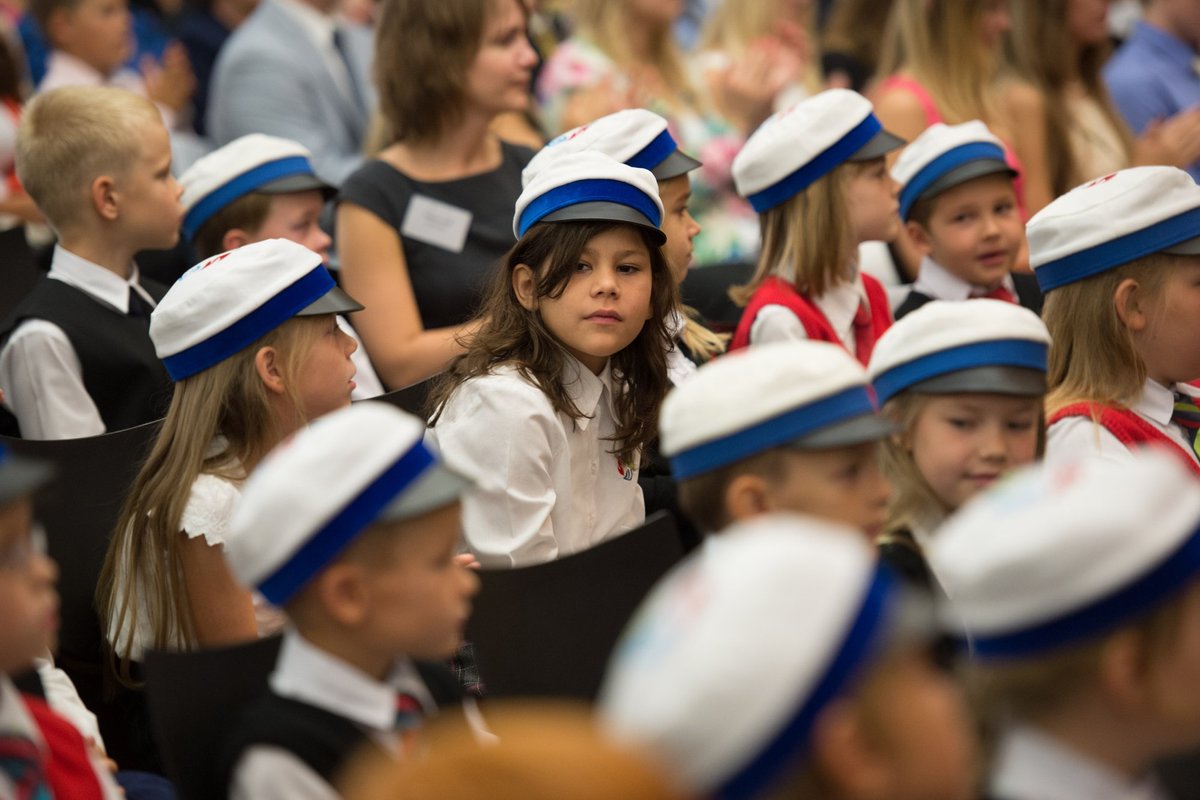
[(121, 373), (321, 739)]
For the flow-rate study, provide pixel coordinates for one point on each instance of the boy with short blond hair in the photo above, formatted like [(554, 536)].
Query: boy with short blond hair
[(76, 357)]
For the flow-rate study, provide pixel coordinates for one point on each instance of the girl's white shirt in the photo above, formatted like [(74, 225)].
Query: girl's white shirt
[(546, 485)]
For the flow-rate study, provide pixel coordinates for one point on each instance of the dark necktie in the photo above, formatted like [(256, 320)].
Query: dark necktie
[(138, 307), (1186, 415), (339, 44)]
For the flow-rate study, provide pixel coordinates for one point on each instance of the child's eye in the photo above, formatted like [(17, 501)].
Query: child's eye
[(962, 423), (962, 218), (1020, 424), (629, 268), (582, 266), (1004, 208), (851, 472)]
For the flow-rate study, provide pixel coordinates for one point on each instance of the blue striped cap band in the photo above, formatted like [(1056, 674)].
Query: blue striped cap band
[(242, 185), (1115, 252), (590, 190), (1144, 594), (654, 153), (792, 741), (947, 161), (991, 353), (323, 546), (774, 432), (824, 163), (253, 326)]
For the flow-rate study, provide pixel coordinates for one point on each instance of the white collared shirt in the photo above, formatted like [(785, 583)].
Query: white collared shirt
[(546, 485), (1078, 436), (319, 28), (939, 283), (679, 366), (313, 676), (1031, 765), (839, 304), (39, 369)]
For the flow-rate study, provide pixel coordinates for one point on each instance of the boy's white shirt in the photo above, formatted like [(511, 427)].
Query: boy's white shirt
[(1074, 437), (39, 369), (839, 304), (64, 699), (1032, 765), (934, 280)]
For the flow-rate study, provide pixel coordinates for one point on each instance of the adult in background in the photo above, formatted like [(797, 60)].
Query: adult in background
[(293, 69), (420, 226)]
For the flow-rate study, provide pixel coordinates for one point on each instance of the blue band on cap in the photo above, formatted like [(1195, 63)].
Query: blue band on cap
[(654, 153), (992, 353), (1142, 596), (860, 642), (774, 432), (250, 328), (947, 161), (240, 186), (1113, 253), (591, 190), (823, 164), (325, 543)]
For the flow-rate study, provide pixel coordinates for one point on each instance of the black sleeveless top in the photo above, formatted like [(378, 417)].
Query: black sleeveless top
[(448, 285)]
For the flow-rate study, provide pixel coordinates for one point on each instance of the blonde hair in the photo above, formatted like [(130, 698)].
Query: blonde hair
[(808, 239), (938, 43), (704, 344), (734, 25), (1093, 357), (71, 136), (228, 399), (913, 500)]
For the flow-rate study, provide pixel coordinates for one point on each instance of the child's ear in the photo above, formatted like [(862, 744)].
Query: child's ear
[(1122, 672), (920, 237), (269, 365), (104, 197), (746, 496), (1129, 300), (843, 756), (234, 238), (342, 593), (524, 284)]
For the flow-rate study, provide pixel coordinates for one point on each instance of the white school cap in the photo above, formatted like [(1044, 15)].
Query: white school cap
[(590, 186), (970, 346), (1062, 554), (797, 146), (317, 491), (1114, 220), (801, 394), (943, 157), (633, 136), (252, 163), (230, 301), (728, 663)]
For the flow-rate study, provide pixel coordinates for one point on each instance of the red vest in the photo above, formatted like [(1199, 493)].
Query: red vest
[(775, 291), (1130, 429), (69, 769)]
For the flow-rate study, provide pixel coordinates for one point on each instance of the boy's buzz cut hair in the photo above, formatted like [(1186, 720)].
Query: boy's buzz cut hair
[(702, 498), (247, 213), (71, 136), (43, 10)]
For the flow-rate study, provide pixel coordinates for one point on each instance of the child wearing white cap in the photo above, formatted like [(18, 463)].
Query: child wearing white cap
[(965, 382), (250, 338), (783, 660), (1079, 588), (559, 391), (816, 175), (1117, 261), (351, 526), (960, 211), (788, 426), (263, 187)]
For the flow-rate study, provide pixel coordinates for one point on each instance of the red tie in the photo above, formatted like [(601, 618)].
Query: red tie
[(864, 336), (409, 718), (1000, 293)]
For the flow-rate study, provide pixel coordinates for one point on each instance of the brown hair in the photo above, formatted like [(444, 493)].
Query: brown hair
[(1092, 355), (229, 400), (808, 239), (43, 10), (514, 335), (423, 52), (1042, 55), (702, 498), (71, 136), (247, 213)]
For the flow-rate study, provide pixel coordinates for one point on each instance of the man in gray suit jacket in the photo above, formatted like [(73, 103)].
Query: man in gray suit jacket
[(294, 70)]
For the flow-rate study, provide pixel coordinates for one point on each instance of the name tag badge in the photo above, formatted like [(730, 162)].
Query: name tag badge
[(436, 223)]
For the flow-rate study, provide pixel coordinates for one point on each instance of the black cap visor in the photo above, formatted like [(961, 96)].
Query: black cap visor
[(335, 301), (1189, 248), (674, 165), (298, 183), (20, 477), (968, 172), (867, 428), (603, 211), (437, 488), (880, 145), (1019, 381)]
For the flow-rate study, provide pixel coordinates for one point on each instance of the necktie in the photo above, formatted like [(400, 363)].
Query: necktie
[(1186, 415), (1000, 293), (864, 338), (138, 307), (409, 718), (22, 763), (339, 44)]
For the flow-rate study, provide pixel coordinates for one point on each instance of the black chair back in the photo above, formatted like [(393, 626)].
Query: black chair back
[(410, 399), (19, 270), (548, 630), (194, 701)]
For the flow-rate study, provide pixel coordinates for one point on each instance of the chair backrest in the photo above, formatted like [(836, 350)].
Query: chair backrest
[(19, 271), (194, 700), (548, 630), (410, 399)]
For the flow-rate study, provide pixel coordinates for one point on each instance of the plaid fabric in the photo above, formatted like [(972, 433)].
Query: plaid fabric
[(21, 761), (466, 669), (1187, 416)]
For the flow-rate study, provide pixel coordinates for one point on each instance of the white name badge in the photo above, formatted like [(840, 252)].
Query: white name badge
[(436, 223)]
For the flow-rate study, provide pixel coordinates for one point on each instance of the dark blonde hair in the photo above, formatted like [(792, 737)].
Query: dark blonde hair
[(423, 52), (511, 334), (247, 213), (702, 498)]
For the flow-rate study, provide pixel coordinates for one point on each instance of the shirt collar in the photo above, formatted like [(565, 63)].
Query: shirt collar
[(1169, 47), (15, 718), (840, 303), (311, 675), (937, 282), (71, 71), (318, 26), (1156, 402), (585, 388), (1031, 764), (97, 281)]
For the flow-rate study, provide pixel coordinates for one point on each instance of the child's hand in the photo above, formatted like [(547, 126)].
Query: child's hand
[(595, 101), (1174, 141), (100, 755), (466, 561), (170, 82), (747, 89)]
